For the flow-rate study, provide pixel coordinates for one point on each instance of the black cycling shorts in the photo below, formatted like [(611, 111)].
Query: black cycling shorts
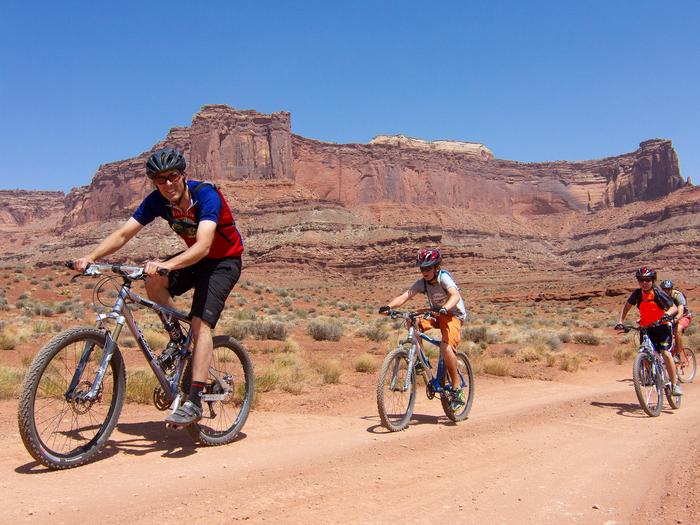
[(212, 280), (661, 336)]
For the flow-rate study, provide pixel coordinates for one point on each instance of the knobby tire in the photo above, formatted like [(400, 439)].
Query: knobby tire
[(465, 370), (647, 387), (395, 405), (57, 433)]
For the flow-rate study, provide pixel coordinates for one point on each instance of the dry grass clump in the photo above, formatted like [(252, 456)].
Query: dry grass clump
[(529, 355), (478, 334), (325, 329), (366, 363), (330, 371), (10, 381), (140, 383), (622, 354), (569, 363), (496, 366), (156, 339), (376, 331), (287, 373), (268, 329), (8, 341), (239, 330), (586, 338)]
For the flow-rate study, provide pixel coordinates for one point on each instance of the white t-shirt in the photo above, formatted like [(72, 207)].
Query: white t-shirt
[(437, 294)]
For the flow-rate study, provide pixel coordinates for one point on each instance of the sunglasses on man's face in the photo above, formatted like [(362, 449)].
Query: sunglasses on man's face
[(162, 179), (645, 280)]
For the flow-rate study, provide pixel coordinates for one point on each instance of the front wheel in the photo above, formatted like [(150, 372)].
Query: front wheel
[(647, 386), (686, 366), (230, 386), (466, 377), (62, 431), (396, 391)]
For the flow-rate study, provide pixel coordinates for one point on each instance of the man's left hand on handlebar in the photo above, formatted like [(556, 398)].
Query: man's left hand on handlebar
[(153, 268), (81, 264)]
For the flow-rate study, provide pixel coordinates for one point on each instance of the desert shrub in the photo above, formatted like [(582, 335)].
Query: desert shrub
[(329, 371), (245, 314), (268, 330), (479, 334), (42, 327), (266, 380), (325, 329), (140, 383), (238, 330), (7, 341), (242, 300), (564, 336), (586, 338), (291, 374), (366, 363), (10, 381), (528, 355), (622, 354), (569, 363), (376, 331), (496, 367), (550, 359)]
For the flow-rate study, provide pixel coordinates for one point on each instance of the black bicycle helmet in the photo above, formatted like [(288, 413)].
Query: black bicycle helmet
[(667, 284), (645, 272), (165, 159)]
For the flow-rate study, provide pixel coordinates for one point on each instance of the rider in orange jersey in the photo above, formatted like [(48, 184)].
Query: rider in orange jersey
[(654, 306)]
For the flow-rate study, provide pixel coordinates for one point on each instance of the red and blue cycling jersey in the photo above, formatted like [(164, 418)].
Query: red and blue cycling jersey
[(207, 204)]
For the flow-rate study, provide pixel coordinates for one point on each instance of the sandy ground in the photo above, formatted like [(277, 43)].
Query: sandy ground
[(544, 452)]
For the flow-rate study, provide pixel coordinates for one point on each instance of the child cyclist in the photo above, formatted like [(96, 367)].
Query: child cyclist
[(442, 293)]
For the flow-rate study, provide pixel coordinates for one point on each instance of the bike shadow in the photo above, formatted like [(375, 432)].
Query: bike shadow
[(149, 438), (626, 409), (416, 419)]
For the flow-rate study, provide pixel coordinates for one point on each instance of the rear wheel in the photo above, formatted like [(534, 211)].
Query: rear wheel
[(59, 432), (230, 386), (395, 394), (466, 376), (686, 365), (647, 386)]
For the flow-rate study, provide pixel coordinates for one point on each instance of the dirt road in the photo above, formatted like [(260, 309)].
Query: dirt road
[(532, 452)]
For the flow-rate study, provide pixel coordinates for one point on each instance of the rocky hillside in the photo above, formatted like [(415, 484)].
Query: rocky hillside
[(347, 208)]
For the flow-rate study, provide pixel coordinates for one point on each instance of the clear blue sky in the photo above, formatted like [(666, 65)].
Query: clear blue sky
[(85, 83)]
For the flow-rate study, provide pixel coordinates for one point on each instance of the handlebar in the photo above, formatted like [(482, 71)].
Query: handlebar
[(426, 313), (133, 273), (626, 328)]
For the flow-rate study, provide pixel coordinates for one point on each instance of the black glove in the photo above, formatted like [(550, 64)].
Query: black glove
[(384, 309), (619, 326), (666, 318), (442, 311)]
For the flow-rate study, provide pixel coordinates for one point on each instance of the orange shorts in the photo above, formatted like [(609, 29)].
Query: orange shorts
[(450, 328)]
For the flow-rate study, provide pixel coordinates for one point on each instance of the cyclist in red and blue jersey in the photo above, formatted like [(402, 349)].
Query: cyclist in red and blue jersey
[(654, 307), (211, 264)]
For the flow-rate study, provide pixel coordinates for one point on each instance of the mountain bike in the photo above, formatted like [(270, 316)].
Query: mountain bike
[(74, 389), (651, 380), (396, 385), (686, 365)]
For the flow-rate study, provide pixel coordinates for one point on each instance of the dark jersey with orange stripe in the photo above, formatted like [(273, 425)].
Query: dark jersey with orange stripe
[(652, 305)]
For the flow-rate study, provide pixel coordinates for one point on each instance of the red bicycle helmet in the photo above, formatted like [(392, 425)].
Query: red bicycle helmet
[(428, 257), (645, 272)]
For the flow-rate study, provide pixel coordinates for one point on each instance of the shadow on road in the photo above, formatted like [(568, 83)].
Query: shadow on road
[(149, 438), (416, 419), (625, 409)]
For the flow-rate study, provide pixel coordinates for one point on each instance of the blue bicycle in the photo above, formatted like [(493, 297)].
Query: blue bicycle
[(396, 386)]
